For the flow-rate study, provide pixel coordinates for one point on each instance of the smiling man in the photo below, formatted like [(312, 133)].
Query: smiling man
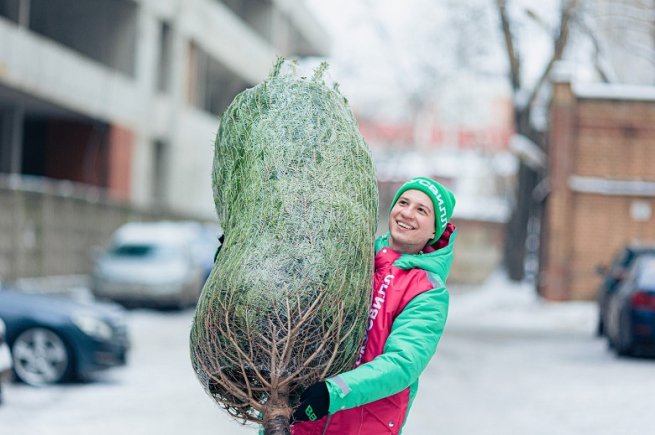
[(407, 316)]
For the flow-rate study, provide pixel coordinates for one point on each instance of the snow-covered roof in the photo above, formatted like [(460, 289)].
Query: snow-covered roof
[(604, 186), (613, 91), (528, 151)]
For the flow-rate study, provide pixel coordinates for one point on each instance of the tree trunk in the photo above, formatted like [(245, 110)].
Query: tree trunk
[(276, 415), (516, 232)]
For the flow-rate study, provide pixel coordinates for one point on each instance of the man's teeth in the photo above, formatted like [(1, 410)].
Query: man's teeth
[(404, 226)]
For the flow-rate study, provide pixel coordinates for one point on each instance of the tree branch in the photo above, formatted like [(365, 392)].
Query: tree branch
[(512, 54), (568, 12)]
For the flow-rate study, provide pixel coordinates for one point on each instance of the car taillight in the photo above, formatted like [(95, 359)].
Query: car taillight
[(643, 299)]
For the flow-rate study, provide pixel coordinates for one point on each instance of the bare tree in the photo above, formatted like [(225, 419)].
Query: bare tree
[(524, 98)]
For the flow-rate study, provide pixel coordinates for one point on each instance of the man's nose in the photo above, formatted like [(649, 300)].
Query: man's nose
[(407, 212)]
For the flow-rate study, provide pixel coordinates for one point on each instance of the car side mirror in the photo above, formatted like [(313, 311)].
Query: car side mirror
[(619, 274)]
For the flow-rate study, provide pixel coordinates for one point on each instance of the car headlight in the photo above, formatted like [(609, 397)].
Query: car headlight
[(92, 326)]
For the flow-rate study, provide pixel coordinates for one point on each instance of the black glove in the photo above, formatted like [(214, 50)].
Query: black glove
[(314, 403), (218, 249)]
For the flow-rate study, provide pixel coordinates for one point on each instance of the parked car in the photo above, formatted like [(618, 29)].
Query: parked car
[(5, 359), (207, 241), (150, 264), (630, 326), (54, 338), (613, 276)]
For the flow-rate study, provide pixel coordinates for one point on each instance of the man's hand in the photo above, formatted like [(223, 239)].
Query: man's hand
[(314, 403)]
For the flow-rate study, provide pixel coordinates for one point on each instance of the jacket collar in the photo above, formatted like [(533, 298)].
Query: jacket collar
[(386, 256), (436, 259)]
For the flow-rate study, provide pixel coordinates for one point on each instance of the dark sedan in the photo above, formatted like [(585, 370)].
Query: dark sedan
[(54, 339), (613, 276), (630, 326)]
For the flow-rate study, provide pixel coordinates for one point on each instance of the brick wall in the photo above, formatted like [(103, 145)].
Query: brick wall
[(121, 142), (604, 139), (615, 139)]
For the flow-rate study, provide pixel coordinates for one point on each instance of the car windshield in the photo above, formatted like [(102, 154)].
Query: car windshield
[(142, 251), (646, 278)]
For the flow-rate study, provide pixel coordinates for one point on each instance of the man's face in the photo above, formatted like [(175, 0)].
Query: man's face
[(411, 222)]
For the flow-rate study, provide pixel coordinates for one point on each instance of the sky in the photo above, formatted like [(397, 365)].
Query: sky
[(384, 50), (448, 52)]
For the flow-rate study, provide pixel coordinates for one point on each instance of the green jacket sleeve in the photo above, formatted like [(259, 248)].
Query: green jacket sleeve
[(410, 346)]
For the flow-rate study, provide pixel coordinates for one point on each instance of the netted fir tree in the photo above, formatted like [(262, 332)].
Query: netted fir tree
[(296, 195)]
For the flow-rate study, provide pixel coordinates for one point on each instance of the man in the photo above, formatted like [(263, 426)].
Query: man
[(407, 316)]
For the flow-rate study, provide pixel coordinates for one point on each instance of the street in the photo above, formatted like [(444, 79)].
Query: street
[(508, 363)]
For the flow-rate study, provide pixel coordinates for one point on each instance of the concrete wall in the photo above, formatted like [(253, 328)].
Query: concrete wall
[(52, 227), (478, 251)]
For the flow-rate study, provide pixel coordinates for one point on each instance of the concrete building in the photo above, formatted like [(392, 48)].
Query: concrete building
[(125, 95), (601, 197)]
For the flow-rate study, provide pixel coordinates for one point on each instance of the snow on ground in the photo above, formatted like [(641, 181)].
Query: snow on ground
[(515, 307), (512, 363), (508, 363), (155, 394)]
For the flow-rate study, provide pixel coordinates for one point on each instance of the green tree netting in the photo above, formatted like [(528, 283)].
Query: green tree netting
[(296, 195)]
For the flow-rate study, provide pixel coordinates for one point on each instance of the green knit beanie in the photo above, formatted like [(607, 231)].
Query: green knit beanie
[(443, 201)]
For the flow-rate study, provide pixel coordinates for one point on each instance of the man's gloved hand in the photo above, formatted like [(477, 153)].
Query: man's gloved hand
[(314, 403), (218, 249)]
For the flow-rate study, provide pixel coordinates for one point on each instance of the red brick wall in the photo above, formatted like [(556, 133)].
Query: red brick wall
[(120, 144), (613, 140), (554, 277), (602, 224)]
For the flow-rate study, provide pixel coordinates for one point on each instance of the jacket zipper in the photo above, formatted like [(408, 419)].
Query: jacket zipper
[(327, 423)]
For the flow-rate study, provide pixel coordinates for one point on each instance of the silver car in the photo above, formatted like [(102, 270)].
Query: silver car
[(150, 264)]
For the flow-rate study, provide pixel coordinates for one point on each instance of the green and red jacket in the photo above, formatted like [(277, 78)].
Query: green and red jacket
[(406, 319)]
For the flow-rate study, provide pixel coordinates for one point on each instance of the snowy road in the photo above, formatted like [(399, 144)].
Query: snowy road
[(508, 364)]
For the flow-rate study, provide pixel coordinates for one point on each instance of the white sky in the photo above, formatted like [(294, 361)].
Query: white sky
[(384, 49), (449, 51)]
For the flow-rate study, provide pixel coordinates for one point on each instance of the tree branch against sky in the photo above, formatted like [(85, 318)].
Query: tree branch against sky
[(407, 54)]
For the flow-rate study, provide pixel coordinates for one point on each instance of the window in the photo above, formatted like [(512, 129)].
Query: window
[(165, 56)]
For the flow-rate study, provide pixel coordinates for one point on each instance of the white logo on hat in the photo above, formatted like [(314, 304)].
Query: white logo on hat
[(443, 214)]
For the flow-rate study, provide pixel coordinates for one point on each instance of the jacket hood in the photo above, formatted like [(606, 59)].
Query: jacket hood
[(436, 259)]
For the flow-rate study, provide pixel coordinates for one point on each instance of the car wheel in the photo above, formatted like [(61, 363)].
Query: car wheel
[(600, 330), (623, 345), (41, 357)]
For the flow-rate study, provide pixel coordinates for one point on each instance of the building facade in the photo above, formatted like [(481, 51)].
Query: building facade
[(601, 181), (125, 95)]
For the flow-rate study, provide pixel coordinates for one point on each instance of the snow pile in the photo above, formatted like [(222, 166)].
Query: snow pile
[(501, 304)]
